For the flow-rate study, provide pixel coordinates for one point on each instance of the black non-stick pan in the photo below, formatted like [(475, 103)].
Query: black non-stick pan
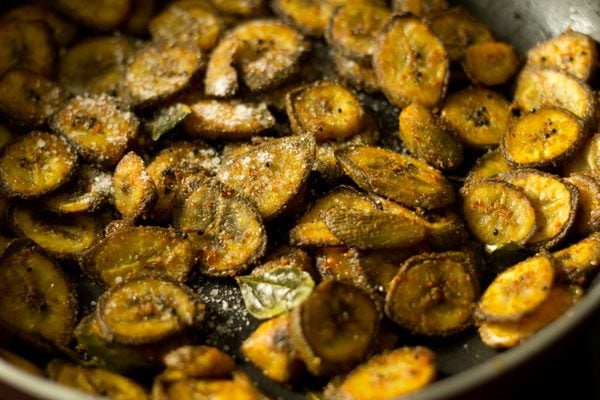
[(467, 368)]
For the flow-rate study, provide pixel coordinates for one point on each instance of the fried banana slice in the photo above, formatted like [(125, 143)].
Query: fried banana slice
[(434, 294), (227, 119), (498, 213), (334, 328), (95, 65), (139, 16), (271, 174), (28, 45), (157, 72), (242, 8), (103, 15), (358, 75), (554, 201), (411, 63), (63, 31), (395, 374), (98, 126), (326, 110), (421, 8), (399, 177), (310, 16), (543, 138), (39, 302), (587, 218), (519, 290), (29, 99), (197, 362), (490, 63), (221, 79), (240, 387), (134, 192), (479, 116), (503, 335), (586, 160), (427, 139), (579, 262), (146, 310), (36, 164), (572, 52), (488, 165)]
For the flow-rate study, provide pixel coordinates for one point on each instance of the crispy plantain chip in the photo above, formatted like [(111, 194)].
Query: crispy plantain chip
[(354, 73), (221, 79), (102, 15), (240, 387), (488, 165), (579, 262), (490, 63), (421, 8), (587, 218), (197, 362), (63, 31), (139, 16), (26, 44), (311, 16), (242, 8), (134, 191)]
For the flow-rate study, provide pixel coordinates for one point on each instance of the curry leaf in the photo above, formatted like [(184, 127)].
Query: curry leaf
[(166, 119)]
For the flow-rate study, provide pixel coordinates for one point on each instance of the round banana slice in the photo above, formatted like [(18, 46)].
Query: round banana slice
[(134, 191)]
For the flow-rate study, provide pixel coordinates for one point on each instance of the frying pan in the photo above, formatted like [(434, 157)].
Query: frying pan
[(467, 368)]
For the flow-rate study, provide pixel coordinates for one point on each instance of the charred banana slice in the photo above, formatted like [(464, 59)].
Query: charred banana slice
[(227, 119), (395, 374), (62, 237), (425, 138), (327, 110), (518, 291), (102, 15), (401, 178), (98, 126), (579, 262), (571, 52), (411, 63), (36, 164), (38, 303), (146, 310), (498, 213), (95, 381), (157, 72), (95, 65), (488, 165), (28, 45), (29, 99), (502, 335), (334, 328), (587, 218), (272, 174), (134, 191), (542, 138), (434, 294), (490, 63), (479, 116), (554, 201), (134, 251)]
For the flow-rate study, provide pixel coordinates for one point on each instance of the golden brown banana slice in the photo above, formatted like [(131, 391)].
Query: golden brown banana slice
[(311, 229), (102, 15), (434, 294), (240, 387), (95, 381), (587, 218), (373, 229), (411, 63), (29, 99), (159, 71), (269, 348), (95, 65), (38, 301), (458, 29), (488, 165), (174, 163), (326, 110), (311, 16), (268, 54), (519, 290), (342, 264), (579, 262), (572, 52), (63, 31), (285, 256), (498, 213), (334, 328), (399, 177), (353, 29), (98, 126), (227, 119), (395, 374), (36, 164), (543, 138), (87, 192), (545, 87), (271, 174), (28, 45), (360, 76), (139, 16), (221, 79), (554, 201), (197, 362), (61, 237), (146, 310), (135, 251), (421, 8), (587, 159), (194, 23), (479, 116), (427, 139), (490, 63), (502, 335), (134, 191), (197, 203)]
